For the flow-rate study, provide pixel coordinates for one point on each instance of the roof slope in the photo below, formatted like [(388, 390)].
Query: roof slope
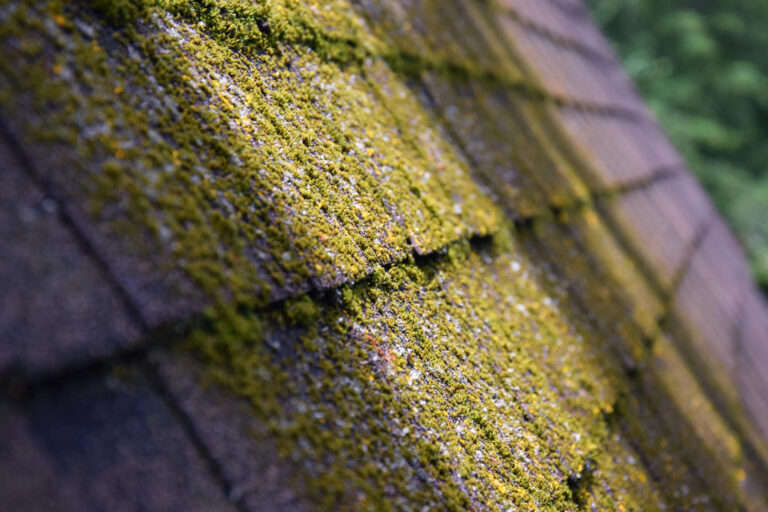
[(374, 254)]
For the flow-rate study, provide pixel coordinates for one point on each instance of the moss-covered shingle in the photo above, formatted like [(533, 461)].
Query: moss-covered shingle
[(384, 255)]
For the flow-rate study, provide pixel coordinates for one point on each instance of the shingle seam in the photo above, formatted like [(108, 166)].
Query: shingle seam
[(667, 298), (564, 42), (72, 226), (572, 10), (601, 109), (192, 433), (656, 176), (130, 308), (737, 330), (684, 268), (713, 392), (413, 65)]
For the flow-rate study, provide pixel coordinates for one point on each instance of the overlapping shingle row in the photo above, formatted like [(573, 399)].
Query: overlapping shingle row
[(378, 255)]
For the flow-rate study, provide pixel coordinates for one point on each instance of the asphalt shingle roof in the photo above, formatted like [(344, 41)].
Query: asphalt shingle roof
[(378, 254)]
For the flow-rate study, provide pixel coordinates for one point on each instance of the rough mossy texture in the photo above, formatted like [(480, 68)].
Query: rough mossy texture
[(459, 383), (256, 164), (388, 253), (456, 384)]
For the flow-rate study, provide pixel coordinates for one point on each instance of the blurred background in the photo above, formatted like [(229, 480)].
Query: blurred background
[(702, 66)]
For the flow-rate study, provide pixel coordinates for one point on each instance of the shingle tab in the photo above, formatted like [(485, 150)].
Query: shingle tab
[(258, 479), (300, 178), (454, 35), (571, 30), (497, 134), (662, 223), (709, 304), (577, 78), (103, 442), (57, 306), (619, 151)]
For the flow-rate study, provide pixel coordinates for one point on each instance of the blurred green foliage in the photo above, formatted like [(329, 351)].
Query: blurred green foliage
[(702, 66)]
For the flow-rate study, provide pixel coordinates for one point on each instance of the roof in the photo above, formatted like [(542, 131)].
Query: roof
[(374, 254)]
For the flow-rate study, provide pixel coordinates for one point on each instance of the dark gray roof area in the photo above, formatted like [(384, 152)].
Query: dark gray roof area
[(104, 440), (58, 305)]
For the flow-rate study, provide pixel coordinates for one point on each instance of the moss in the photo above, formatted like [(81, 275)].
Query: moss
[(260, 78), (271, 149), (119, 13), (299, 173), (302, 310), (462, 386)]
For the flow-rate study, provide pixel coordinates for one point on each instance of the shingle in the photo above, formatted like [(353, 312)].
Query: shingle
[(585, 275), (494, 160), (525, 134), (300, 179), (752, 352), (574, 8), (708, 306), (618, 151), (258, 479), (57, 306), (28, 480), (753, 344), (440, 34), (595, 237), (571, 30), (661, 223), (577, 78), (101, 442)]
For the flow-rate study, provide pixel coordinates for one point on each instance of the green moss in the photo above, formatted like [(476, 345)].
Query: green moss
[(300, 171), (265, 149), (302, 310), (462, 386), (119, 13)]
